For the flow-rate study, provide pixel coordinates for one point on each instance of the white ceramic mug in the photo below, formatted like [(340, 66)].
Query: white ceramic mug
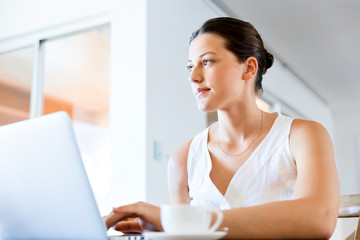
[(186, 219)]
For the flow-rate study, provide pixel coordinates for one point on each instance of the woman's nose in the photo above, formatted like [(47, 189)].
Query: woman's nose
[(196, 75)]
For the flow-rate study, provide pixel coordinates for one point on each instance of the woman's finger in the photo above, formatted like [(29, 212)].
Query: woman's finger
[(121, 213), (128, 227), (149, 213), (111, 219)]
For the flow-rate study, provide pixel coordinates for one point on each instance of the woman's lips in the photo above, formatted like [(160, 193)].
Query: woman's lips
[(201, 91)]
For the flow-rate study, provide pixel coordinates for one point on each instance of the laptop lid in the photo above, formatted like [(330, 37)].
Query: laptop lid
[(44, 189)]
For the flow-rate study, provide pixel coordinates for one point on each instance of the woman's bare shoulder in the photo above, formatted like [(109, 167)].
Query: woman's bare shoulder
[(307, 135), (304, 128), (179, 156)]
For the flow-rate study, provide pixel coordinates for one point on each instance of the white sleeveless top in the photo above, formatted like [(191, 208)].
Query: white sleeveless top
[(269, 174)]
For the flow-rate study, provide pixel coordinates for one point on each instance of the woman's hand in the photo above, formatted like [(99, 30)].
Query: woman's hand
[(122, 218)]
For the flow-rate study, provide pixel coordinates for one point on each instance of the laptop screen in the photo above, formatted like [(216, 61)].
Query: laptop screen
[(44, 189)]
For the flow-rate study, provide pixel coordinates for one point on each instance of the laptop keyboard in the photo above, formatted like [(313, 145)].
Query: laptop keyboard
[(127, 237)]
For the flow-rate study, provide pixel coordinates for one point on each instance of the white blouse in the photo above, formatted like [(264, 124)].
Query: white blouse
[(269, 174)]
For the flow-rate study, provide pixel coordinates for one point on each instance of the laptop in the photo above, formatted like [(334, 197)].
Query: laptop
[(44, 190)]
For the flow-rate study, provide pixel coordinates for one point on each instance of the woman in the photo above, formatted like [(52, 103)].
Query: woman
[(272, 176)]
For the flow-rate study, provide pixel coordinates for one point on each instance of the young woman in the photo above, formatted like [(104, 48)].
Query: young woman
[(271, 175)]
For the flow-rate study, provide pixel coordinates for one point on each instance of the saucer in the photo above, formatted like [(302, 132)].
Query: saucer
[(197, 236)]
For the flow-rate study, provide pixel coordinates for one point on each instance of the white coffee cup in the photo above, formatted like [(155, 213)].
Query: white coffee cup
[(186, 219)]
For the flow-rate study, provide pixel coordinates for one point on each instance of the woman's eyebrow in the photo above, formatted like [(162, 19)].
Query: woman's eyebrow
[(203, 54), (209, 52)]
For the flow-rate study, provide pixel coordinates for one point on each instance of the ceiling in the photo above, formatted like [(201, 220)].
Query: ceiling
[(319, 41)]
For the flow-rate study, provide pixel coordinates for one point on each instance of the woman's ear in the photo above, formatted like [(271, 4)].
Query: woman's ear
[(251, 67)]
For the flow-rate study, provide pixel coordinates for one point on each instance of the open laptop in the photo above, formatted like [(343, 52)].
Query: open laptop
[(44, 189)]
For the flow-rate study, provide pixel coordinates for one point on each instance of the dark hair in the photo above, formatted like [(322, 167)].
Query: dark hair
[(243, 40)]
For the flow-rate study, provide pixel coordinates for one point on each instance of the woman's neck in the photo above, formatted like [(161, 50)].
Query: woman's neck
[(240, 123)]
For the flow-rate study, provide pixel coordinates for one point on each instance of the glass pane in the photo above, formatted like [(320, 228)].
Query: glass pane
[(15, 85), (76, 80)]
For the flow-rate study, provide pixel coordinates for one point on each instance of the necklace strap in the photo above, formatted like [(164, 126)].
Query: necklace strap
[(247, 148)]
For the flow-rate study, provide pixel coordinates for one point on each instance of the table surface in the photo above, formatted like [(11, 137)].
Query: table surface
[(349, 205)]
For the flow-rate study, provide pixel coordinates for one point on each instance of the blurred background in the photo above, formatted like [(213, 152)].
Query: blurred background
[(119, 69)]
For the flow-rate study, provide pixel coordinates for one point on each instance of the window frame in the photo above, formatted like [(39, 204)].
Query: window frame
[(37, 39)]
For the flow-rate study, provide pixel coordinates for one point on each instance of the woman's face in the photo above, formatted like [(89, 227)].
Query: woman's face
[(215, 73)]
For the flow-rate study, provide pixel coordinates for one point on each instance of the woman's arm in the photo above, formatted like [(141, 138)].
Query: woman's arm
[(179, 193), (313, 212), (177, 175)]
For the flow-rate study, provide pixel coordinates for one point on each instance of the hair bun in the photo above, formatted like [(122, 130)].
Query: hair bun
[(269, 61)]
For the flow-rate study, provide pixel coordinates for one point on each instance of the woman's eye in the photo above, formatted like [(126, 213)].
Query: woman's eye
[(207, 61), (190, 68)]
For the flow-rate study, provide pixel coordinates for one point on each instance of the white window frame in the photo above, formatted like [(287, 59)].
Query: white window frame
[(37, 39)]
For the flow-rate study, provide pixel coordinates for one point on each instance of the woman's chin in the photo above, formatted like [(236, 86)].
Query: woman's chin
[(205, 108)]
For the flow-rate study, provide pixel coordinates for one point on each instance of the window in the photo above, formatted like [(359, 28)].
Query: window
[(15, 85), (76, 80)]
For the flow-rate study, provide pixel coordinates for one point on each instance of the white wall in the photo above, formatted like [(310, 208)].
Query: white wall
[(128, 93), (347, 149), (23, 23), (285, 87), (26, 16)]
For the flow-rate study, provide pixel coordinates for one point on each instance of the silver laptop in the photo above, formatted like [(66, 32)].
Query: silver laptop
[(44, 189)]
